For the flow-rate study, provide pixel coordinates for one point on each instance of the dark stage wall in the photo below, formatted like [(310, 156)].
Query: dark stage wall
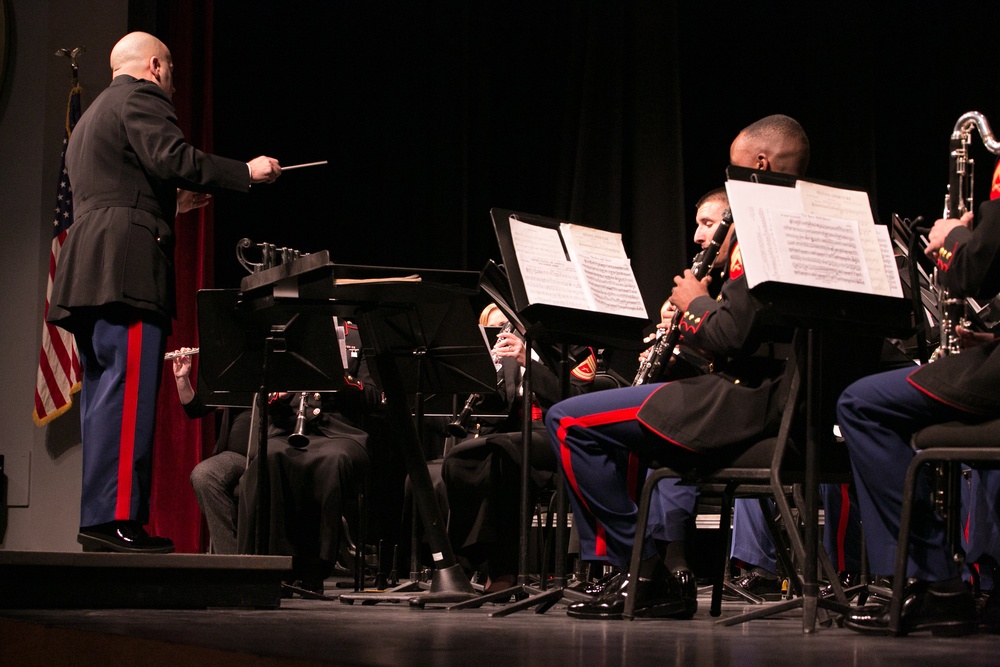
[(432, 113)]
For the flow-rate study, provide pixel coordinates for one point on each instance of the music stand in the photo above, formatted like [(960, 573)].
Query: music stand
[(428, 341), (555, 327), (246, 355), (817, 312)]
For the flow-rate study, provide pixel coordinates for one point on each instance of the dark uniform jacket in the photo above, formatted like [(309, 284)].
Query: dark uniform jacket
[(970, 264), (126, 159), (740, 401)]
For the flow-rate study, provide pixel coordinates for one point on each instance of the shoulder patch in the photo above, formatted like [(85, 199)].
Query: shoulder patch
[(735, 261), (586, 370)]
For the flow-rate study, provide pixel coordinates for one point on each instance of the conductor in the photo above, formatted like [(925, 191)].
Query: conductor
[(131, 173)]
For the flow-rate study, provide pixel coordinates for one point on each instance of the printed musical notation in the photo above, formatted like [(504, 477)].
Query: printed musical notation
[(576, 267), (814, 235)]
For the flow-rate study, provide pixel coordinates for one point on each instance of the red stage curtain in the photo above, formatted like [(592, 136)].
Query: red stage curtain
[(182, 442)]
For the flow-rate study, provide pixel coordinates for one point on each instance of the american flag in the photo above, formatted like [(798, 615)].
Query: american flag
[(59, 362)]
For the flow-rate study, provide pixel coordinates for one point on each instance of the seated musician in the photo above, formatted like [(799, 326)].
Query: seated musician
[(314, 480), (312, 486), (482, 474), (879, 414), (705, 419)]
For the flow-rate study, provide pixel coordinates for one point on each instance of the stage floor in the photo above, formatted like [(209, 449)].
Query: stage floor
[(320, 632)]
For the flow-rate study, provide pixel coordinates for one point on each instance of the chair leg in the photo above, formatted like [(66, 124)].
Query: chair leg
[(642, 520), (903, 544), (725, 525)]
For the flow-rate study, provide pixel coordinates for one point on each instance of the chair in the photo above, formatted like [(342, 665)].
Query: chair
[(772, 467), (949, 443)]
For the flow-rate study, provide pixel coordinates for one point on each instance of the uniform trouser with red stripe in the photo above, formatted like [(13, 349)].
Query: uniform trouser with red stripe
[(752, 543), (122, 364), (597, 438), (981, 531)]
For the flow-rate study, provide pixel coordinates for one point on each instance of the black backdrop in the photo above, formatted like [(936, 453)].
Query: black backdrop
[(612, 114)]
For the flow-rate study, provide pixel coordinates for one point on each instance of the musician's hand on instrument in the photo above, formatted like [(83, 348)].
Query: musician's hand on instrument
[(968, 338), (667, 312), (939, 232), (687, 288), (510, 345), (182, 363), (188, 200), (264, 169)]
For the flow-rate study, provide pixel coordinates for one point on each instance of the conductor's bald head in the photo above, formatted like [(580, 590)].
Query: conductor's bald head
[(143, 56)]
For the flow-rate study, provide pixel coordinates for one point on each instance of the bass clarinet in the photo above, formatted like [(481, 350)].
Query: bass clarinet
[(958, 200), (655, 364)]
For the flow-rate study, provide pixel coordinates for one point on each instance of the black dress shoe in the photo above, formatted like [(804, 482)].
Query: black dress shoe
[(757, 584), (654, 598), (989, 615), (848, 580), (610, 580), (123, 536), (689, 592), (943, 613)]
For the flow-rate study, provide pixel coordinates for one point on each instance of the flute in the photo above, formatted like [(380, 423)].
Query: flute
[(174, 355)]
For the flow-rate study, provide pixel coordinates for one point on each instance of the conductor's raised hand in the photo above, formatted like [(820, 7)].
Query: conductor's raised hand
[(264, 169)]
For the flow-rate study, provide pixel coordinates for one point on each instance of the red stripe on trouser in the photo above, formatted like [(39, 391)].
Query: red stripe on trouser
[(845, 510), (130, 406), (597, 419)]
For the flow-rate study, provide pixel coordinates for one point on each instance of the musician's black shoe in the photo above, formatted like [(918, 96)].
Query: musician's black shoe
[(756, 583), (123, 536), (610, 580), (654, 598), (989, 615), (689, 592), (944, 613), (848, 580)]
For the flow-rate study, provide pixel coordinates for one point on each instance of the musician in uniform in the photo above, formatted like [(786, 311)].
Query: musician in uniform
[(314, 479), (131, 172), (879, 414), (482, 473), (601, 438)]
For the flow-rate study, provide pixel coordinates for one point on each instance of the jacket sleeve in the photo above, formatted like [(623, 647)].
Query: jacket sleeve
[(150, 122), (970, 260)]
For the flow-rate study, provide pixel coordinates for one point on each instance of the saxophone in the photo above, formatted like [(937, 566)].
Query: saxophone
[(653, 366), (952, 310)]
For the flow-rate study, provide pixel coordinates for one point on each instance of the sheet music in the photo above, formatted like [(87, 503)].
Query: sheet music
[(576, 267), (548, 275), (607, 271), (812, 235), (875, 242)]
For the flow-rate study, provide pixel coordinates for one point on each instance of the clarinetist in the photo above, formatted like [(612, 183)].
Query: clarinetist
[(677, 423), (482, 474)]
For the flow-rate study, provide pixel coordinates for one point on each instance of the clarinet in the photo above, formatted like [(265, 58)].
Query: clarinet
[(459, 427), (653, 366)]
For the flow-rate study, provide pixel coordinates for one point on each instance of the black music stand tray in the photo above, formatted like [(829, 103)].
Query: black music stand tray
[(428, 341), (555, 328), (247, 355)]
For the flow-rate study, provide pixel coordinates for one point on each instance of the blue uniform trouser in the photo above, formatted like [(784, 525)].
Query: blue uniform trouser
[(878, 416), (752, 543), (596, 437), (122, 364), (981, 533)]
